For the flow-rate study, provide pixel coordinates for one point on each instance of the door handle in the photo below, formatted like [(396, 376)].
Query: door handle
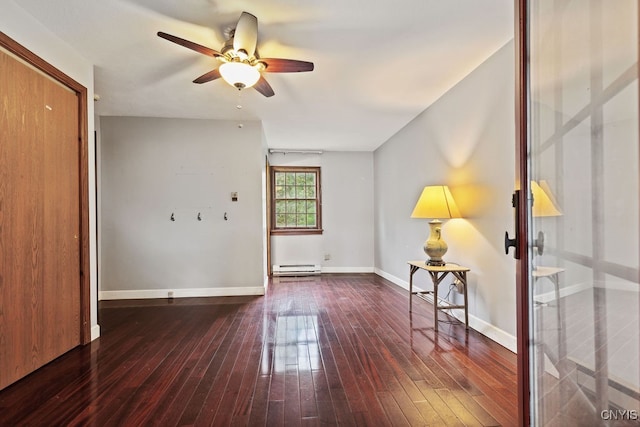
[(509, 243), (539, 243), (515, 242)]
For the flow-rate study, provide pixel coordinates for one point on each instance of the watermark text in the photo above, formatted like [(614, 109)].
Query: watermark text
[(620, 414)]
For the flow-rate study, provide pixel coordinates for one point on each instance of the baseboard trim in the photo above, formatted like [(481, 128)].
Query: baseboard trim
[(95, 332), (485, 328), (395, 280), (347, 269), (181, 293), (564, 292), (619, 285)]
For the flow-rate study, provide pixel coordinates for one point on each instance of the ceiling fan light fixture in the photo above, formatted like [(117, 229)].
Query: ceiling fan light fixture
[(239, 74), (241, 66)]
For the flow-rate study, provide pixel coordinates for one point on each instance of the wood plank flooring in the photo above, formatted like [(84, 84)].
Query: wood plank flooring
[(326, 350)]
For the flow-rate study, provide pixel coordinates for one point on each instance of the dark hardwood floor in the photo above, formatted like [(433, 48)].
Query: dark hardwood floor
[(326, 350)]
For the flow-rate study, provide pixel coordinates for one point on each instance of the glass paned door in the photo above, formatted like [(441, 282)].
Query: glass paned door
[(583, 243)]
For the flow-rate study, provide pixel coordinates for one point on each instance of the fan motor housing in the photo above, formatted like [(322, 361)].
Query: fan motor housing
[(228, 46)]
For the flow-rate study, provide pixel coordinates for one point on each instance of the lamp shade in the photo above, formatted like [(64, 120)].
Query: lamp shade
[(436, 201), (543, 204), (239, 74)]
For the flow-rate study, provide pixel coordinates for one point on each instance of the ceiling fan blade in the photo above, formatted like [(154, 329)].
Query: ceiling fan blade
[(207, 77), (190, 45), (245, 37), (275, 65), (264, 87)]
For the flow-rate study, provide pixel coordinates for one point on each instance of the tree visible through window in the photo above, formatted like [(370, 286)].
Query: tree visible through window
[(295, 196)]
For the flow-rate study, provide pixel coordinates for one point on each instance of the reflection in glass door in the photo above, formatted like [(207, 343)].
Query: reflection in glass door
[(582, 152)]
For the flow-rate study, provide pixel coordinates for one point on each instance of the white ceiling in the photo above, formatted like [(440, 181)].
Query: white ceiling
[(378, 63)]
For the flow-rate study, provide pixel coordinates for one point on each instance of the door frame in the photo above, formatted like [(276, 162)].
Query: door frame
[(522, 230), (43, 66), (268, 267)]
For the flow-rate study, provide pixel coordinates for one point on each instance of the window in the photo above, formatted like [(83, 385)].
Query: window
[(296, 204)]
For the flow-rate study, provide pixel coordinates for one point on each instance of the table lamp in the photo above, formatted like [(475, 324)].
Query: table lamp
[(543, 205), (435, 202)]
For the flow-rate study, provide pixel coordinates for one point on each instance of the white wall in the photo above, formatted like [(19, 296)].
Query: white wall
[(152, 168), (347, 214), (464, 140), (23, 28), (347, 182)]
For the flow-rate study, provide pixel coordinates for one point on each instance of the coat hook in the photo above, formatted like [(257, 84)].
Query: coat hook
[(199, 217), (225, 216), (173, 218)]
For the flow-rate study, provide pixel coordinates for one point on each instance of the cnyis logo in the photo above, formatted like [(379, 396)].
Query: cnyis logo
[(620, 414)]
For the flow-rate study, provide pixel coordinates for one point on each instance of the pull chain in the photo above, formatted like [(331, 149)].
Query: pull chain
[(239, 108)]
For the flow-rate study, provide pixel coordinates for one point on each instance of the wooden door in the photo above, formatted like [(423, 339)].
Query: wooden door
[(40, 316)]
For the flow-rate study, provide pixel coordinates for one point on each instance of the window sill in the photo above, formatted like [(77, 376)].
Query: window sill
[(295, 232)]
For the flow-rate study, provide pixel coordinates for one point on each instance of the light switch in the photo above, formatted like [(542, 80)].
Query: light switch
[(234, 196)]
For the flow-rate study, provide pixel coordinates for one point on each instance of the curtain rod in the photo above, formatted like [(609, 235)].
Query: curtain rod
[(284, 151)]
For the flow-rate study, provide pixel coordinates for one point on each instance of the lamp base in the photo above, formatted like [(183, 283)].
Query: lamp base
[(435, 246), (435, 263)]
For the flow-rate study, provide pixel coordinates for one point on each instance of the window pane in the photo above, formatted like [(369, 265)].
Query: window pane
[(311, 206), (280, 220), (311, 192), (290, 178), (291, 206), (279, 192), (311, 220), (301, 206), (300, 193), (281, 206), (291, 220), (302, 220), (290, 192), (311, 179), (280, 178), (300, 178)]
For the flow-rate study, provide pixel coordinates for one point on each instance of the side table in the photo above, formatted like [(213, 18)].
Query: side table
[(438, 273)]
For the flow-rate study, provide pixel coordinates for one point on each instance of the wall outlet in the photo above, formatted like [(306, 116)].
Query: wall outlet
[(170, 294), (327, 257), (459, 286)]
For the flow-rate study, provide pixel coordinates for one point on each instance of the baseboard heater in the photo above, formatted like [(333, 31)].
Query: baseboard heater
[(296, 270)]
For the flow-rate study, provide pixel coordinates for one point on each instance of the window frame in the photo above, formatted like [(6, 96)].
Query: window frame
[(317, 229)]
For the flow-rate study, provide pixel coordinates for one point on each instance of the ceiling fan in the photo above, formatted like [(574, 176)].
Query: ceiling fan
[(241, 66)]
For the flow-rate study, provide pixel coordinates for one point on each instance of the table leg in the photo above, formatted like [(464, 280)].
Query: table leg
[(434, 279), (562, 351), (466, 303), (412, 270), (539, 358), (562, 340)]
